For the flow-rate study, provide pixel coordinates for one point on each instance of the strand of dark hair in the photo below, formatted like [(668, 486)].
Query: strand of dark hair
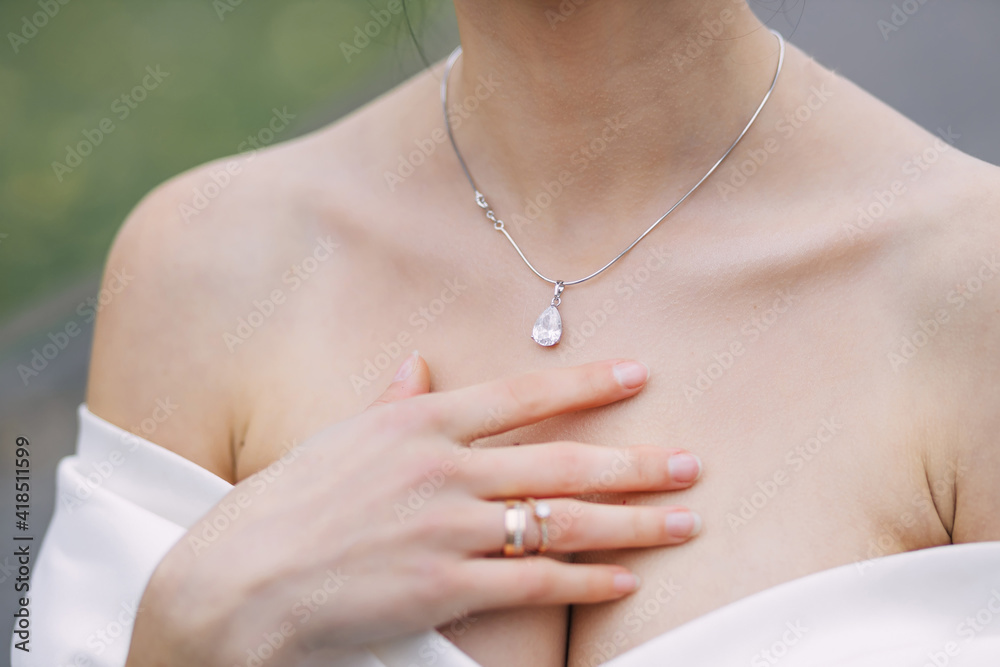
[(413, 35)]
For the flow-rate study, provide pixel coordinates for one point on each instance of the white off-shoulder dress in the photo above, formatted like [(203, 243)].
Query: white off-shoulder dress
[(936, 607)]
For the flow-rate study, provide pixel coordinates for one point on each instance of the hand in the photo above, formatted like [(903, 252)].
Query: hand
[(389, 517)]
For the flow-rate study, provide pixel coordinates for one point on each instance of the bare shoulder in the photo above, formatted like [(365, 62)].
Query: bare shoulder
[(172, 283), (936, 227), (956, 342), (170, 356), (915, 224), (905, 204)]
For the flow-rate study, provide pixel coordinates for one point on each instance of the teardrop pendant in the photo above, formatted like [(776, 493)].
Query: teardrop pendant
[(548, 327)]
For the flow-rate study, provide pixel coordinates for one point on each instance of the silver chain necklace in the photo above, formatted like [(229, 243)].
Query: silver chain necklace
[(548, 327)]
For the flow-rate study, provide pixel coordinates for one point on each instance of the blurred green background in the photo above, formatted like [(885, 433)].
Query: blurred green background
[(229, 64)]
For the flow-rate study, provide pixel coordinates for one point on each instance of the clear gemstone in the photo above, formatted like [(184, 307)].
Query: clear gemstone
[(542, 510), (548, 327)]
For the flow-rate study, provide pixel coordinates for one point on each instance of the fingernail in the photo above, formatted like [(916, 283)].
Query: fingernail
[(684, 467), (631, 374), (626, 583), (407, 368), (684, 523)]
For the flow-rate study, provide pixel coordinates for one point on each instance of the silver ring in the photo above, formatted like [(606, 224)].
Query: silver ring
[(541, 510)]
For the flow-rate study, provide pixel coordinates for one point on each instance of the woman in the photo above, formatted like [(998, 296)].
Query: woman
[(818, 318)]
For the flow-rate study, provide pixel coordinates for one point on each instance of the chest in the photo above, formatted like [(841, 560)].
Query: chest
[(780, 385)]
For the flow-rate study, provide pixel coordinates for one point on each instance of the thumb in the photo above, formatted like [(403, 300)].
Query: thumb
[(412, 379)]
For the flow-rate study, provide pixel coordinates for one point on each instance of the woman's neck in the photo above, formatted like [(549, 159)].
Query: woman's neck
[(631, 101)]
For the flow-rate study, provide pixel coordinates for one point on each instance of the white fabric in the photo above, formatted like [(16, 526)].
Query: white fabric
[(122, 502)]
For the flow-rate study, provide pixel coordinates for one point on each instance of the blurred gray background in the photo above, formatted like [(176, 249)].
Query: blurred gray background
[(941, 68)]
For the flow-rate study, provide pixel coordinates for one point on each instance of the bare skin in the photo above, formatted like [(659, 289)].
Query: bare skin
[(338, 516), (771, 313)]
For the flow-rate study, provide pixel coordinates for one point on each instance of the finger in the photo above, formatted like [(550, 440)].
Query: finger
[(412, 378), (503, 583), (572, 469), (502, 405), (574, 526)]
